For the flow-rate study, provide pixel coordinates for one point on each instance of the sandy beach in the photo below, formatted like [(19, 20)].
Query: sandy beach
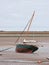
[(8, 56)]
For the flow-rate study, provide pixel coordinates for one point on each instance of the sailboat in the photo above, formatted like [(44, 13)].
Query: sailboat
[(24, 47)]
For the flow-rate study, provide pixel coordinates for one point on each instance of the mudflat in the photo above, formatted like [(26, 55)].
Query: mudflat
[(11, 57)]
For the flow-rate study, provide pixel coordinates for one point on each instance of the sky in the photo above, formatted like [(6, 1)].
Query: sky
[(15, 14)]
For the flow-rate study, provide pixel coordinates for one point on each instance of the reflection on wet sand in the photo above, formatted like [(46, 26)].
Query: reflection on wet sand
[(41, 56)]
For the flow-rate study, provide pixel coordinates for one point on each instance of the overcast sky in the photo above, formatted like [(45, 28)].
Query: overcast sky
[(14, 15)]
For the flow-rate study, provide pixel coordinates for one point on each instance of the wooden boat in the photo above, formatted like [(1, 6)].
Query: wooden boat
[(26, 48), (23, 48)]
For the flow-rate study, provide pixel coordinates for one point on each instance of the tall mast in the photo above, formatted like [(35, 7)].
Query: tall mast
[(30, 21), (28, 24)]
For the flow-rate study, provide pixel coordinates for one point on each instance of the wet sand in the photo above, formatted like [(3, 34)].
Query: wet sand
[(10, 57)]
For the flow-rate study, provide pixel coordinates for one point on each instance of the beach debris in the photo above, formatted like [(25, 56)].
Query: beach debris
[(39, 61), (47, 58)]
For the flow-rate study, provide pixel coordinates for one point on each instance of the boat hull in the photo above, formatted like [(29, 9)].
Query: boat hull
[(21, 48)]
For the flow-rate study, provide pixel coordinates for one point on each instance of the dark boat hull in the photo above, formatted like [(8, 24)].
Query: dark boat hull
[(21, 48)]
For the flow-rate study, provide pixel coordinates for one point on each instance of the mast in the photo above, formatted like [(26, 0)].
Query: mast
[(28, 24), (30, 21)]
